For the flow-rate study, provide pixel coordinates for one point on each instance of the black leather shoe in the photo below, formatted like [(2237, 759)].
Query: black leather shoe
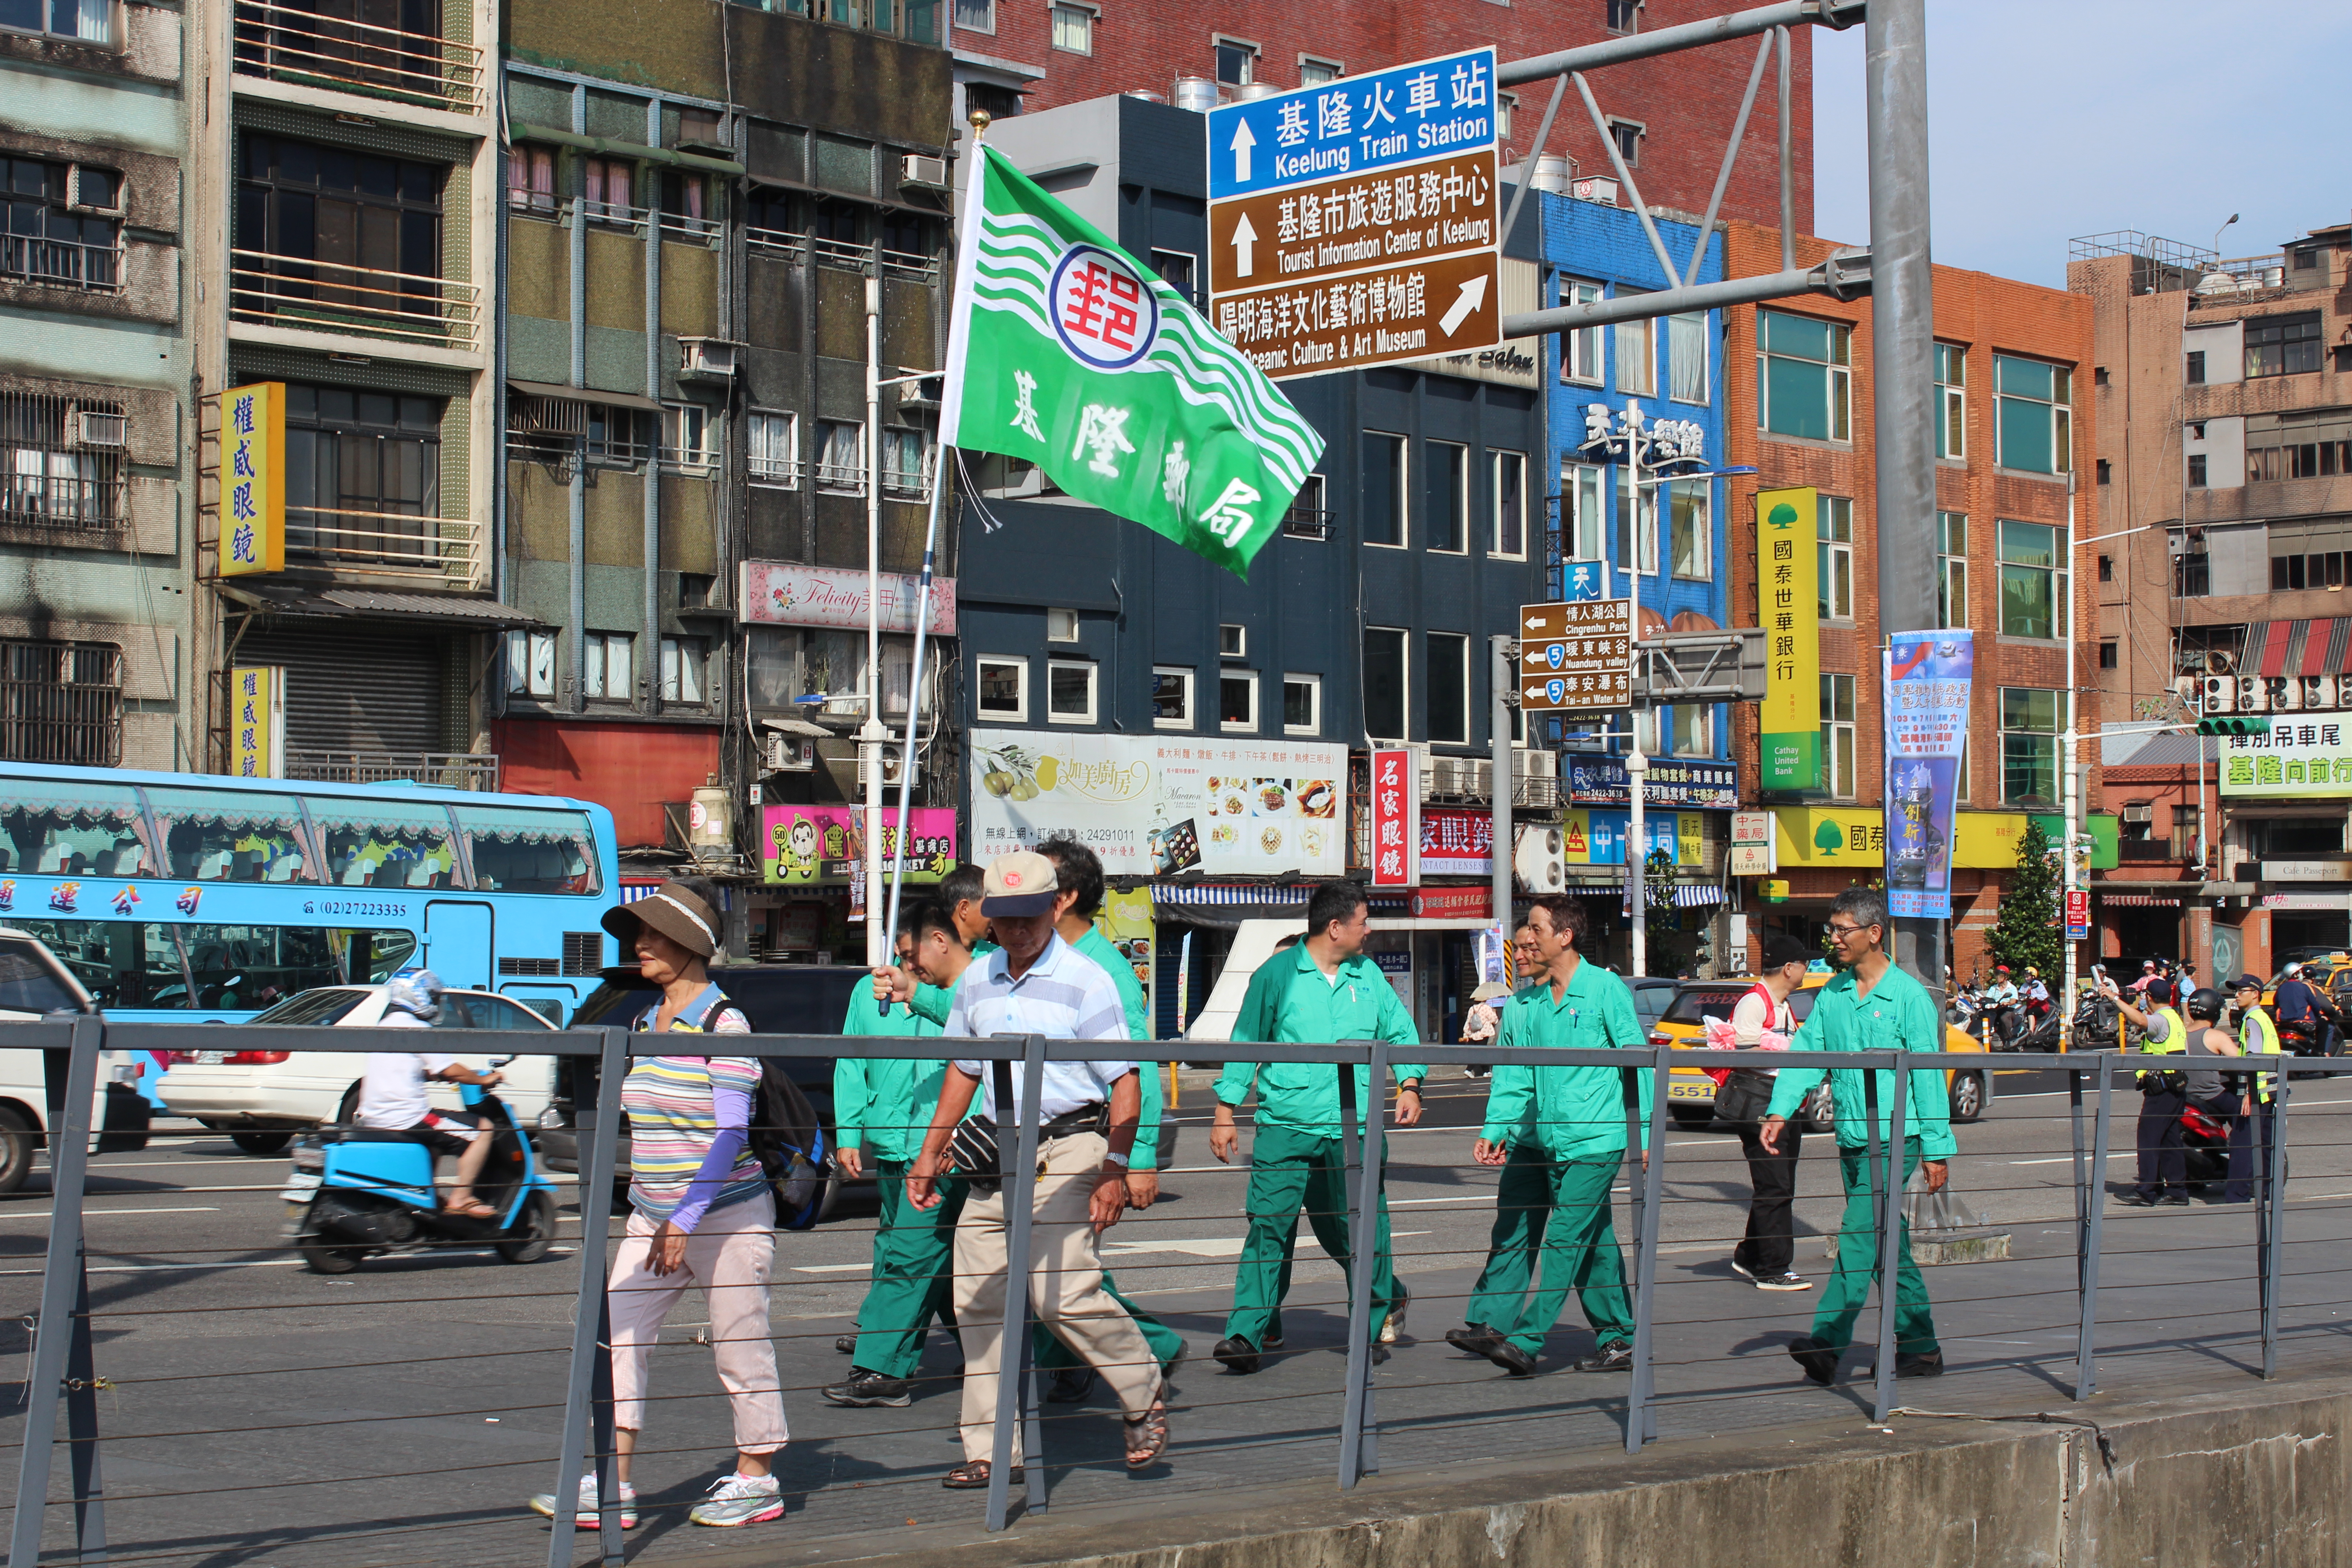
[(1821, 1362), (2173, 1201), (865, 1388), (1617, 1355), (1069, 1386), (2136, 1201), (1512, 1359), (1237, 1355), (1476, 1337), (1929, 1365), (846, 1344)]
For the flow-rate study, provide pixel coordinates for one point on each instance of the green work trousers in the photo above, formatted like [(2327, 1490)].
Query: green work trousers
[(1523, 1200), (1857, 1265), (1578, 1254), (1047, 1353), (1289, 1169), (913, 1282)]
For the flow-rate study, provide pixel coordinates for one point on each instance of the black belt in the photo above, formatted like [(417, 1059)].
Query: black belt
[(1092, 1117)]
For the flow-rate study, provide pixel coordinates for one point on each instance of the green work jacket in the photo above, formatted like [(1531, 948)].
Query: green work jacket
[(1571, 1113), (1898, 1015), (1291, 1001), (880, 1106)]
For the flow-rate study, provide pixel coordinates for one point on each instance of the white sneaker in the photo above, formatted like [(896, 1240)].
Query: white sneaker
[(588, 1517), (1743, 1271), (740, 1500)]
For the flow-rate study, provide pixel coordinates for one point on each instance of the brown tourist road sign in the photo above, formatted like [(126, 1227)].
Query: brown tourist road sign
[(1577, 657)]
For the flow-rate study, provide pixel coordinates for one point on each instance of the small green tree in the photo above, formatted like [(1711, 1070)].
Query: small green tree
[(2029, 930)]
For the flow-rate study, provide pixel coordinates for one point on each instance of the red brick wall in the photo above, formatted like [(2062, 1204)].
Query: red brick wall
[(1685, 102)]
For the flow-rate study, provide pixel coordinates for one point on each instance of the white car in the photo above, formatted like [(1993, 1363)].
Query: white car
[(262, 1098), (34, 984)]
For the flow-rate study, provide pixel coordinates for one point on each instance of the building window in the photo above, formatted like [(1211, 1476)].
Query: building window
[(84, 21), (50, 237), (1237, 701), (1236, 63), (1445, 495), (61, 703), (1232, 641), (1628, 136), (2192, 575), (2304, 445), (2033, 578), (1001, 689), (1624, 16), (1061, 626), (976, 16), (1803, 380), (685, 662), (685, 203), (1837, 735), (1691, 535), (1384, 684), (61, 461), (2283, 345), (608, 189), (1637, 367), (1171, 698), (2196, 373), (775, 458), (2106, 472), (605, 665), (1584, 516), (2108, 656), (2197, 471), (1307, 516), (689, 436), (2033, 424), (700, 128), (2322, 569), (1951, 569), (1951, 401), (1834, 526), (1960, 773), (1074, 29), (1302, 704), (2031, 722), (1383, 483), (530, 179), (1508, 536), (1504, 103), (1686, 357), (1637, 523), (2185, 845), (841, 457), (1313, 72), (363, 474), (2107, 568), (907, 463), (344, 240), (1069, 691), (1449, 689), (1693, 729), (1178, 269), (530, 663), (1580, 358)]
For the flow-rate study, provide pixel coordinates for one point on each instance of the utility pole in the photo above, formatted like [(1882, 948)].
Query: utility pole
[(1902, 360), (872, 737), (1503, 666)]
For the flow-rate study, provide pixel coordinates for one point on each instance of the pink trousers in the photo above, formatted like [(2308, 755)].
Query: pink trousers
[(728, 1255)]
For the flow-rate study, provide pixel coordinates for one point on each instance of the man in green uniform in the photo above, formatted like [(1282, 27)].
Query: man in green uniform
[(1558, 1133), (1322, 990), (1869, 1006), (881, 1110)]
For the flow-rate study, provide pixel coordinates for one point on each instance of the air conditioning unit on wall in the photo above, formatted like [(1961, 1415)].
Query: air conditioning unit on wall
[(919, 169), (2253, 694), (792, 753), (2220, 694)]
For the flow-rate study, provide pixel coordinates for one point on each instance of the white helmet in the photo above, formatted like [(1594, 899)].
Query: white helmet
[(418, 993)]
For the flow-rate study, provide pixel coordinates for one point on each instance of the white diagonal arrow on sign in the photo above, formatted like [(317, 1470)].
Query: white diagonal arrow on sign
[(1473, 294), (1241, 143)]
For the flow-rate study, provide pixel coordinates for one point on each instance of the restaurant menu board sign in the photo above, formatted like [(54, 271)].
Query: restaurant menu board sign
[(1164, 806)]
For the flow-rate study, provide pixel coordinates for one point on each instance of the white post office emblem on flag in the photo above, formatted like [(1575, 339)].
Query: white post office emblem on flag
[(1103, 311)]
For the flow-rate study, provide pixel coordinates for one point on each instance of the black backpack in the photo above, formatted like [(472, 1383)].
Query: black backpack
[(789, 1140)]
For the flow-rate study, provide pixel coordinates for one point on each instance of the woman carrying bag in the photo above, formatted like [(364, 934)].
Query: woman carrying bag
[(701, 1212)]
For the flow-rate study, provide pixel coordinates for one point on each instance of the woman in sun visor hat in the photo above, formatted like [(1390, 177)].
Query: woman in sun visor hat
[(674, 910)]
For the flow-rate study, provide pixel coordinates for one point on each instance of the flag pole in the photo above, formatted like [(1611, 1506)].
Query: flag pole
[(914, 702)]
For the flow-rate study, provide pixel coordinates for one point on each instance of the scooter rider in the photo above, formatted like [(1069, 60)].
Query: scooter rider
[(392, 1092)]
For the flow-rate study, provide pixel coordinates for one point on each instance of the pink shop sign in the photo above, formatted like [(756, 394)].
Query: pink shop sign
[(782, 594)]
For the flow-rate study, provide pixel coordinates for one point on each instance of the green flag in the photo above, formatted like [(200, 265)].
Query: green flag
[(1067, 353)]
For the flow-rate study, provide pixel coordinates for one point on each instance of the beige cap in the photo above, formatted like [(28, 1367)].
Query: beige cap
[(1019, 883)]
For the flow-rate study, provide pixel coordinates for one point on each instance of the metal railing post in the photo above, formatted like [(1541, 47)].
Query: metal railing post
[(1020, 1190), (588, 1400), (2095, 1198), (1642, 1411), (2082, 1190), (1359, 1153), (2271, 1235), (1891, 1248), (61, 1335)]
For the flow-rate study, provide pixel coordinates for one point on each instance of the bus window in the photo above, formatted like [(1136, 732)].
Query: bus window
[(53, 829), (28, 985), (385, 843), (131, 965), (230, 835), (526, 851)]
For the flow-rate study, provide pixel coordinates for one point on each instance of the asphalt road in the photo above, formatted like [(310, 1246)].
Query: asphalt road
[(263, 1415)]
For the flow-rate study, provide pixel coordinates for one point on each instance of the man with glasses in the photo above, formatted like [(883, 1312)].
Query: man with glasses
[(1869, 1006)]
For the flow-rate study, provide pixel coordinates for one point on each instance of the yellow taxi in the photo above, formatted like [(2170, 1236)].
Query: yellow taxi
[(1690, 1093)]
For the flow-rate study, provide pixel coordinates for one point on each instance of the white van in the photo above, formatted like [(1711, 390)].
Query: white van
[(34, 985)]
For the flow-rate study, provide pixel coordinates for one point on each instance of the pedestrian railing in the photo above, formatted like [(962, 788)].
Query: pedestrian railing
[(65, 1366)]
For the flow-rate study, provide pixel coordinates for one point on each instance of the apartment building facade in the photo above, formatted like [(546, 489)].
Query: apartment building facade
[(2015, 430), (96, 661), (2228, 389)]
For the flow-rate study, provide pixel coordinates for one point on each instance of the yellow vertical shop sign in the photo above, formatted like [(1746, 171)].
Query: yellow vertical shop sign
[(1788, 606), (1690, 838), (253, 479), (256, 722)]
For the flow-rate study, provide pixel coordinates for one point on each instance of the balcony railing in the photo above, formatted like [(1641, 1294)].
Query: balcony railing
[(449, 549), (2145, 851), (1307, 522), (63, 263), (309, 48), (847, 478), (783, 472), (353, 301), (447, 770)]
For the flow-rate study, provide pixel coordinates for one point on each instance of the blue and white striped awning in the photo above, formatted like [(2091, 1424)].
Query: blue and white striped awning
[(1692, 896), (1201, 895), (632, 891)]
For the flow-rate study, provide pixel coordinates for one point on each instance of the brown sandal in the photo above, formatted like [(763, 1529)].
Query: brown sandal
[(1147, 1434), (972, 1475), (472, 1208)]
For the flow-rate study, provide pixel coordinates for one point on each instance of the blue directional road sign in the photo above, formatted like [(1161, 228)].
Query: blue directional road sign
[(1352, 126)]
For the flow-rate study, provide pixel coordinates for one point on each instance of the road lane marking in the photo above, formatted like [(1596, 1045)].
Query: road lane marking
[(829, 1267), (2061, 1160), (94, 1214)]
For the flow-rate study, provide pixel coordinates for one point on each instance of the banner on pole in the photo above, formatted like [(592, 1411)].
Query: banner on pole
[(1788, 606), (1927, 676)]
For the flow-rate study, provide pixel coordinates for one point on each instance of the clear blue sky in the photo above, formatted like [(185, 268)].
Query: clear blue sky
[(2049, 119)]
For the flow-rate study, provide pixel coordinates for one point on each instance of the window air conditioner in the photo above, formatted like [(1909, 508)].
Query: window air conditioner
[(891, 753), (916, 169), (2253, 694), (2220, 694), (1529, 763), (705, 359), (98, 427), (792, 753)]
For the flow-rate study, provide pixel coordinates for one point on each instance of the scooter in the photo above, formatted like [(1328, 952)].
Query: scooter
[(358, 1191)]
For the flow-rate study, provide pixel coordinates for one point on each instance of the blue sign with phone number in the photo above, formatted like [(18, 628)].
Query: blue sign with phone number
[(1402, 115)]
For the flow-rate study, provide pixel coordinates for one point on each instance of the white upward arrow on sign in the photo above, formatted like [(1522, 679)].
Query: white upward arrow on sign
[(1473, 294), (1241, 143), (1244, 236)]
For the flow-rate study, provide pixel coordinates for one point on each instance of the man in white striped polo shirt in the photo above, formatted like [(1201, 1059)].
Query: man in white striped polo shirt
[(1035, 984)]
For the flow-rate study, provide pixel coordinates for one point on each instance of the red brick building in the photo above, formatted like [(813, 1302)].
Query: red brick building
[(2014, 366), (1676, 112)]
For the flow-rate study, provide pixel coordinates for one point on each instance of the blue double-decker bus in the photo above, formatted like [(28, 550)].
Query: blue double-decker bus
[(197, 897)]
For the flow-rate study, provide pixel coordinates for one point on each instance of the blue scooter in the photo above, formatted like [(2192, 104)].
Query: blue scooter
[(358, 1191)]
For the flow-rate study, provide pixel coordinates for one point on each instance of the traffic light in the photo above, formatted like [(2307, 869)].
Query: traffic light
[(2240, 724)]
